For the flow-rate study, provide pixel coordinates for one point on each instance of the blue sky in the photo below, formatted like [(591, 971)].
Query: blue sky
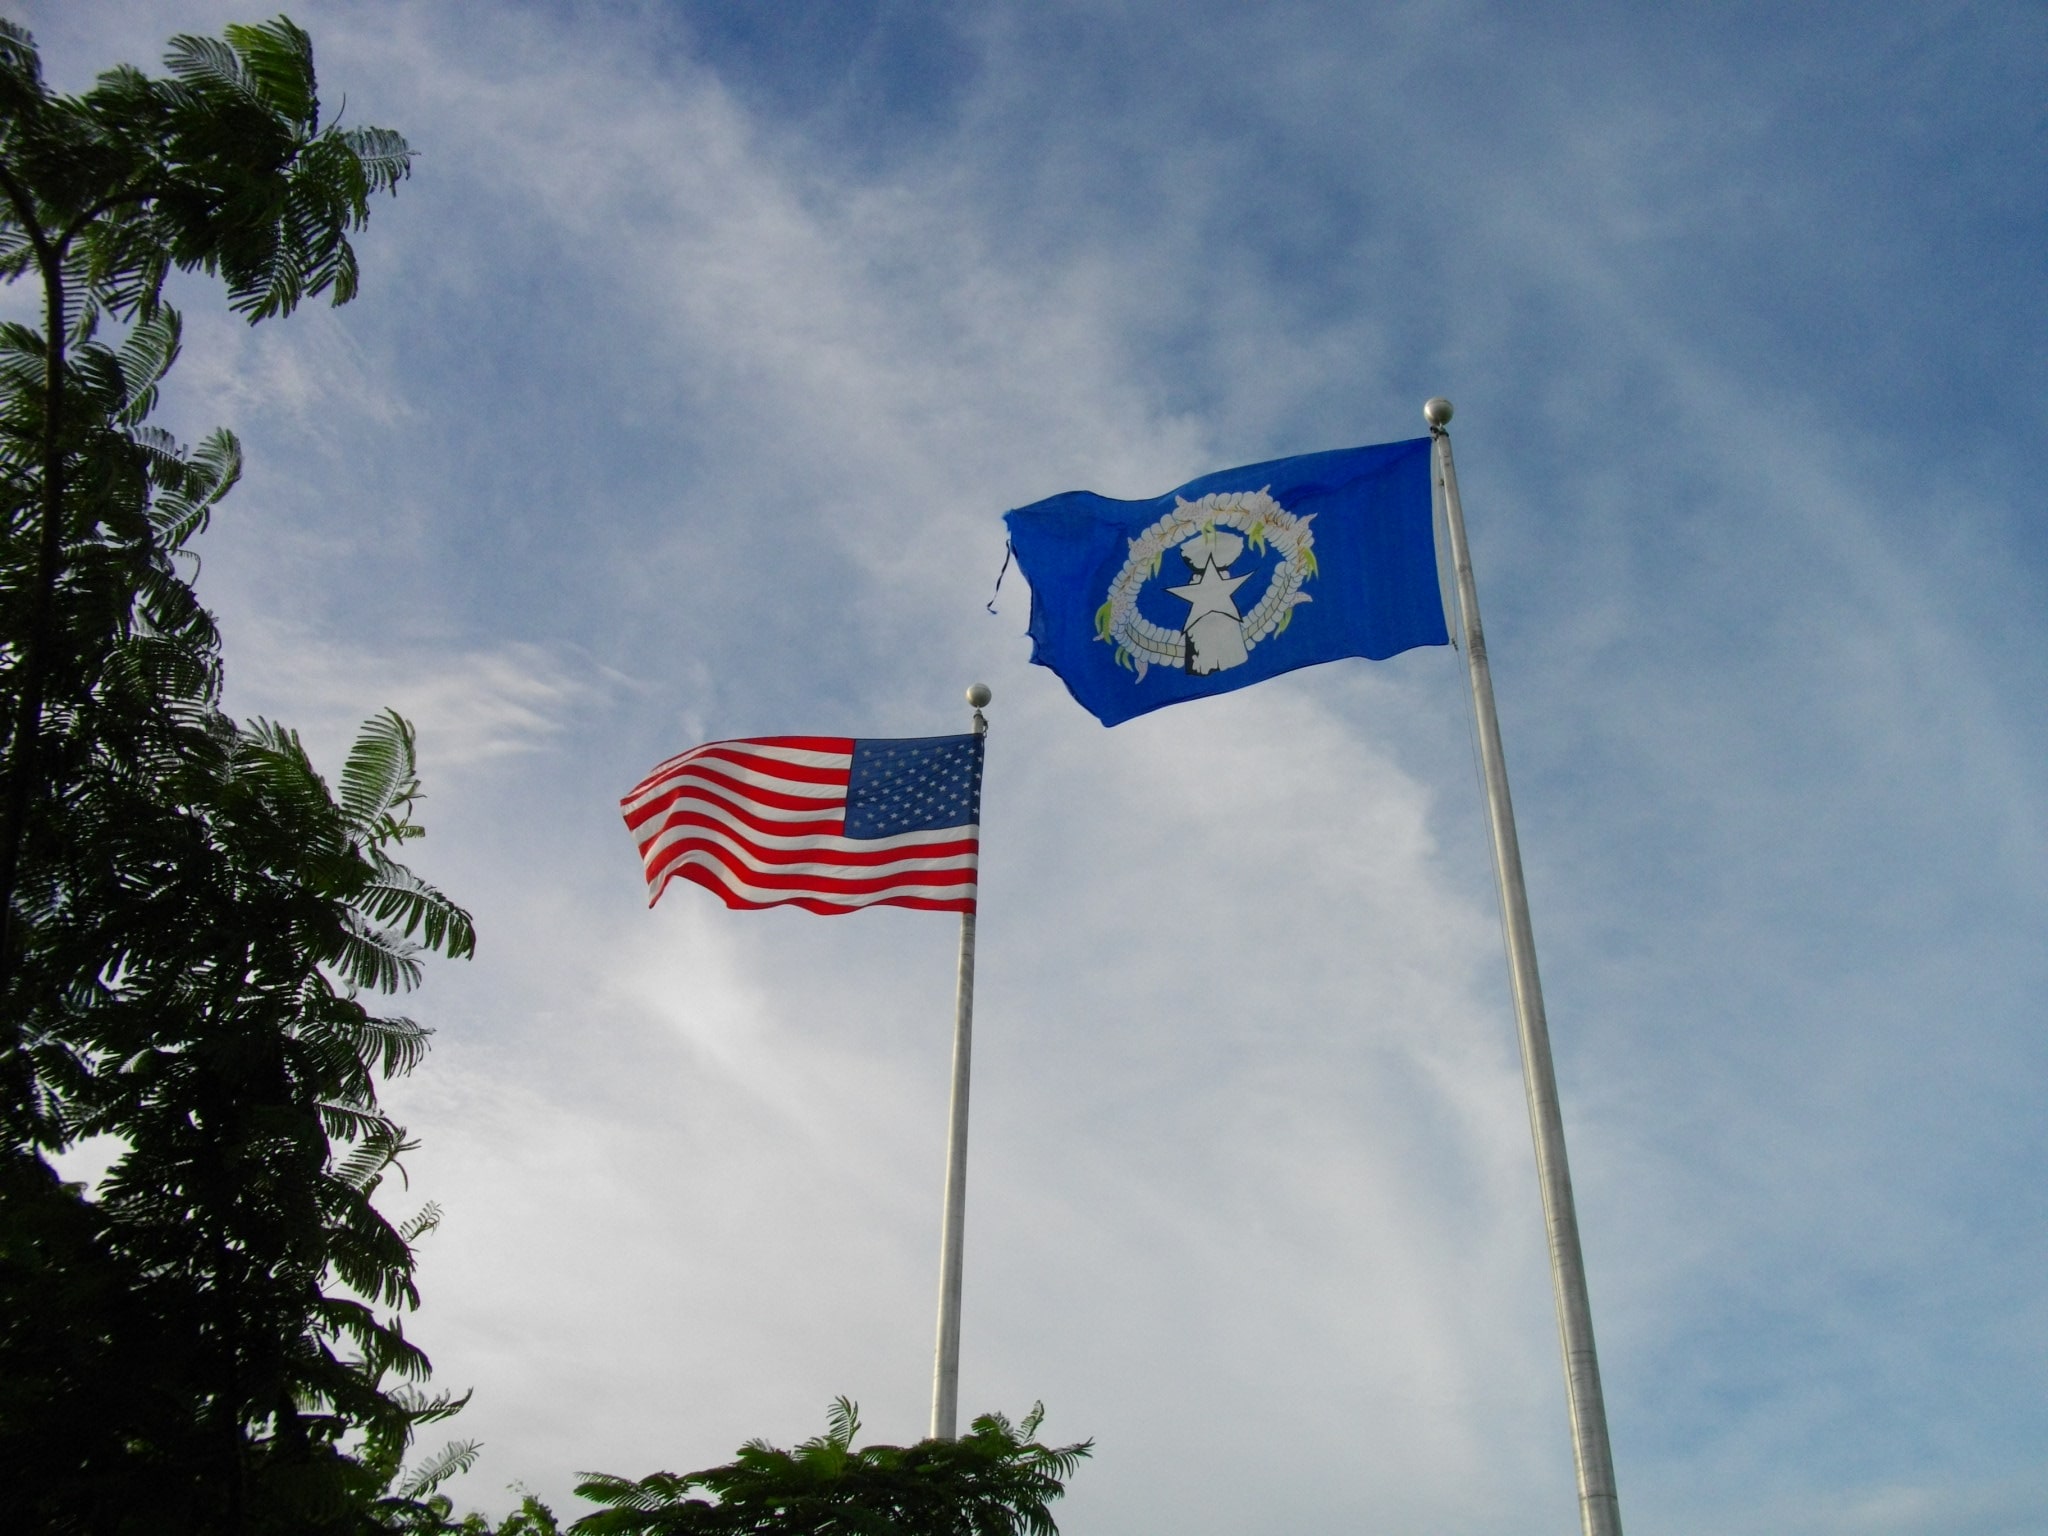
[(692, 373)]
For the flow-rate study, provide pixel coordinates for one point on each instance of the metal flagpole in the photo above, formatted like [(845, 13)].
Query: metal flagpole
[(1599, 1509), (946, 1359)]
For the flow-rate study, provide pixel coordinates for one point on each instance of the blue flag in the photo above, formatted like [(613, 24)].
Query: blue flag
[(1232, 579)]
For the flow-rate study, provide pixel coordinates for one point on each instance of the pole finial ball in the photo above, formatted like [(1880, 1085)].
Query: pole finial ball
[(1437, 412), (978, 694)]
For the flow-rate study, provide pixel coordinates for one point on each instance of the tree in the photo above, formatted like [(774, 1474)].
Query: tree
[(996, 1480), (224, 168), (190, 917), (434, 1515)]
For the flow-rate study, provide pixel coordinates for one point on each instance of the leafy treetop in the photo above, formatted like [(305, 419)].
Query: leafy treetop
[(224, 168), (996, 1480)]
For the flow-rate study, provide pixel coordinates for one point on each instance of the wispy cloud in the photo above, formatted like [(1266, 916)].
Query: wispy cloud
[(470, 705)]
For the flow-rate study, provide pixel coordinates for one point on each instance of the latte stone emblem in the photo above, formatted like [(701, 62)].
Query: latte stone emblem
[(1209, 539)]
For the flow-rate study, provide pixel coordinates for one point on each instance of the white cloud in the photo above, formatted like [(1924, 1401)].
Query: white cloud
[(469, 705)]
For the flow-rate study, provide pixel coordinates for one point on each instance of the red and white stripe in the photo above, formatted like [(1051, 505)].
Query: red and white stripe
[(763, 823)]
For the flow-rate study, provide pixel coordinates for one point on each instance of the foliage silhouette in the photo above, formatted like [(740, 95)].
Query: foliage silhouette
[(190, 918), (996, 1480)]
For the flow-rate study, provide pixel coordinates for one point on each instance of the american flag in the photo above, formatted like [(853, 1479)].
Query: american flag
[(822, 822)]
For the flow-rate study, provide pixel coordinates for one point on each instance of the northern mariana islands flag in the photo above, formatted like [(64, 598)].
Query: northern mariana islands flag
[(1232, 579)]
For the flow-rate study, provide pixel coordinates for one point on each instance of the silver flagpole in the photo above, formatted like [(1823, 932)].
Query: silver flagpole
[(1599, 1509), (946, 1359)]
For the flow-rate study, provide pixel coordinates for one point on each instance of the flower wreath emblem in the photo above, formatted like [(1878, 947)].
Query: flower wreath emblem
[(1210, 535)]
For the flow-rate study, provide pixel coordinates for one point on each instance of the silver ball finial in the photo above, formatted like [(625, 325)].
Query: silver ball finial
[(1437, 412), (978, 694)]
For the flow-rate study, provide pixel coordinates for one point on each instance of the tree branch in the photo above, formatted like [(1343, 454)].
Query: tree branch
[(105, 205)]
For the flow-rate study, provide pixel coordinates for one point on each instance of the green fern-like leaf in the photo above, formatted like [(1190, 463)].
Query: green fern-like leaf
[(276, 59), (396, 896), (380, 775), (209, 474), (418, 1225), (842, 1422), (209, 62), (456, 1456), (145, 357), (385, 157), (373, 958), (392, 1046)]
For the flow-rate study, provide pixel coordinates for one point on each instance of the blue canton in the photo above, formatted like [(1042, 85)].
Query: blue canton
[(918, 784)]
